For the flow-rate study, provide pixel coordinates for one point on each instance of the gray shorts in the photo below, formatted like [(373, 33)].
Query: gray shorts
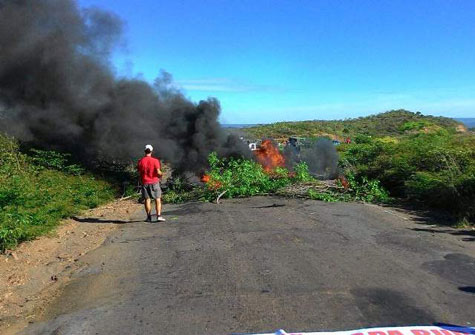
[(151, 191)]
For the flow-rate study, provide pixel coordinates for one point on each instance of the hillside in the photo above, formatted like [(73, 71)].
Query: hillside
[(424, 159), (392, 123)]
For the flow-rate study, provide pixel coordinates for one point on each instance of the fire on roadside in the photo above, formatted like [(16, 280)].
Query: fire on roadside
[(269, 156), (210, 182), (344, 182)]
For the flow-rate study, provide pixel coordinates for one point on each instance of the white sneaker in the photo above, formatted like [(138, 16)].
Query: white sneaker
[(160, 218)]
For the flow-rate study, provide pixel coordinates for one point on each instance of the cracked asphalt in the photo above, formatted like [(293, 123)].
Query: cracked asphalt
[(264, 263)]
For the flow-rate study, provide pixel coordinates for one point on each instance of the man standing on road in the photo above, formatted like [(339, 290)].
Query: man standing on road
[(150, 174)]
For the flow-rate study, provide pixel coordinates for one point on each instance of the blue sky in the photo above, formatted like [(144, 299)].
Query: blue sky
[(281, 60)]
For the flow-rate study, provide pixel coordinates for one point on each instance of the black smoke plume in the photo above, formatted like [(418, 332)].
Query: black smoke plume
[(320, 156), (58, 91)]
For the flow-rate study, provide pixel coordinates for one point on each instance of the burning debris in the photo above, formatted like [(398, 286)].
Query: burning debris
[(269, 156), (57, 91), (320, 155), (211, 183)]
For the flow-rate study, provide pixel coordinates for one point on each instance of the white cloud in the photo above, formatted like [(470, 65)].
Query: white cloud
[(222, 85)]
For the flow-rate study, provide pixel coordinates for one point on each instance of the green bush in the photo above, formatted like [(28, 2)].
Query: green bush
[(55, 160), (358, 190), (325, 196), (415, 125), (34, 198), (179, 197), (242, 177), (301, 173), (366, 190), (437, 169)]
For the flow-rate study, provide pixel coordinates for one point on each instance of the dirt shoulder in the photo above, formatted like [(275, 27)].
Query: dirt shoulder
[(32, 274)]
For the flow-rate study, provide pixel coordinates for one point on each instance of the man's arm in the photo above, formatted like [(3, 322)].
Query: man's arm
[(159, 168)]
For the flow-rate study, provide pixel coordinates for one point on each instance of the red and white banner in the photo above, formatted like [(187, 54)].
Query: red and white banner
[(414, 330)]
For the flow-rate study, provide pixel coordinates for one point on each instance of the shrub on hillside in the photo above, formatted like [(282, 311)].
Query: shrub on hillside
[(55, 161), (33, 199), (391, 123), (437, 169)]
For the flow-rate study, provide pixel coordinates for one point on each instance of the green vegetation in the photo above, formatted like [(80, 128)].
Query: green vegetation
[(233, 178), (236, 177), (393, 123), (424, 159), (436, 169), (241, 178), (358, 189), (37, 191), (55, 161), (394, 155), (179, 191)]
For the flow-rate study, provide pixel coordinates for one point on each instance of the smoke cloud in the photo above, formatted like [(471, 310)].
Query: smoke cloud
[(320, 156), (57, 91)]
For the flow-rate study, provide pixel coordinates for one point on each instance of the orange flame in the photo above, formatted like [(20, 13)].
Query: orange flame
[(269, 156), (211, 183), (344, 182)]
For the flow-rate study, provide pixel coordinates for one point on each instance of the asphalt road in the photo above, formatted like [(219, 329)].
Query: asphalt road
[(260, 264)]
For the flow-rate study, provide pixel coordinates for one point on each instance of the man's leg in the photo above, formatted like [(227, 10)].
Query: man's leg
[(147, 203), (148, 208), (158, 203), (158, 206)]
